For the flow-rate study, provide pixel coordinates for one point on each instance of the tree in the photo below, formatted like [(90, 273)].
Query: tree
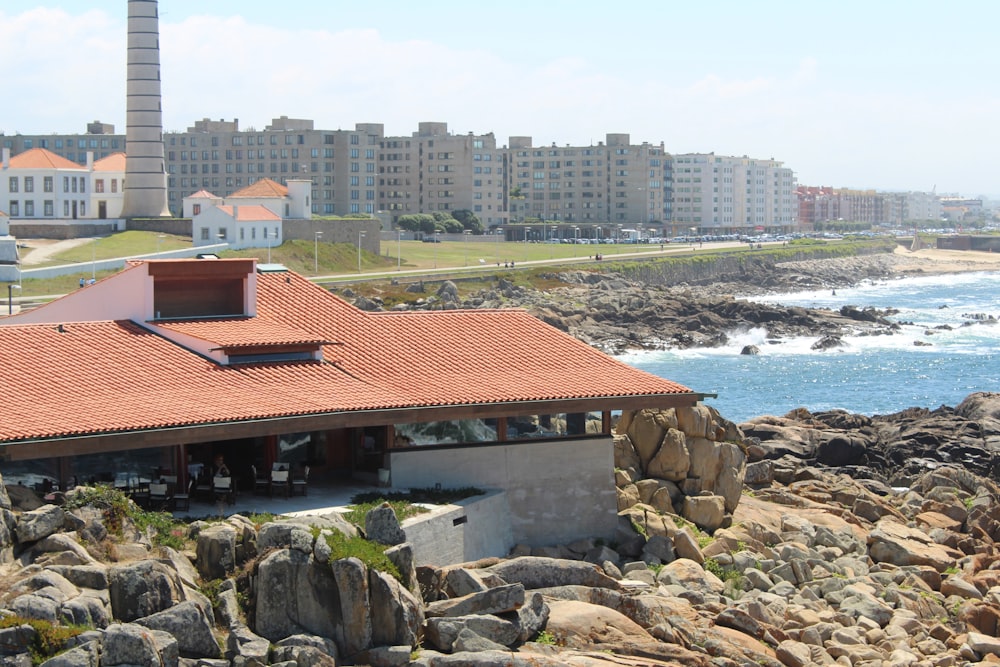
[(419, 222), (469, 220)]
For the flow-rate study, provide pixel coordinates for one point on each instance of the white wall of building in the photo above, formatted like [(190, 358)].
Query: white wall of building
[(557, 491)]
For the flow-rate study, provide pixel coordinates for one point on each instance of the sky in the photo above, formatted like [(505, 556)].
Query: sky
[(880, 95)]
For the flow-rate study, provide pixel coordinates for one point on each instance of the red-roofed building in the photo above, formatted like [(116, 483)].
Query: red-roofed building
[(171, 362), (242, 226)]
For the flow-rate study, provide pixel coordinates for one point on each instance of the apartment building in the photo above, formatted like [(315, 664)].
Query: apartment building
[(435, 170), (818, 204), (731, 195), (220, 157), (599, 189)]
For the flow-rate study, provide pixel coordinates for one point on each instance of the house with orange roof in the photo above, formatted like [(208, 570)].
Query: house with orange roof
[(243, 226), (107, 186), (195, 203), (40, 184), (164, 365)]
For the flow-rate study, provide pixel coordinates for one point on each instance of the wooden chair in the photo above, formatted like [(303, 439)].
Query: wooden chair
[(222, 489), (300, 485), (203, 488), (260, 484), (182, 499), (159, 495), (279, 480)]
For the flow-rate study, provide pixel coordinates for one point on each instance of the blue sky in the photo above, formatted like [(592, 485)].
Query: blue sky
[(885, 95)]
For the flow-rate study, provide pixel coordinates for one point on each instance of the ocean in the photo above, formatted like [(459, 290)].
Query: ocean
[(871, 374)]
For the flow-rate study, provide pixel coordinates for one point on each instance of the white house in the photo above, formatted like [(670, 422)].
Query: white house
[(39, 184), (243, 226), (198, 202), (107, 186), (291, 201)]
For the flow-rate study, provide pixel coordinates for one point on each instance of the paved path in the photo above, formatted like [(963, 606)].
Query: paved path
[(41, 251)]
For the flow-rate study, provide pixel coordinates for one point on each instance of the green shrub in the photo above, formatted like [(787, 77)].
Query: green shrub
[(115, 507), (371, 554), (50, 638)]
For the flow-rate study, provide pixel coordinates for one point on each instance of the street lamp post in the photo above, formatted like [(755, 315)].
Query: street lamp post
[(316, 236), (361, 235), (465, 233), (527, 236), (10, 297), (576, 240), (399, 253), (437, 239)]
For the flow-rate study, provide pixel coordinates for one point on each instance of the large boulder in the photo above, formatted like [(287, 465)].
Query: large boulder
[(189, 624), (396, 615), (142, 588), (672, 460), (351, 579), (534, 572), (216, 551), (39, 523), (126, 644), (296, 595), (707, 512), (897, 544), (382, 526)]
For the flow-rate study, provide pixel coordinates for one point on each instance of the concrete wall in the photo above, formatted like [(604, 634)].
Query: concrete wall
[(177, 226), (63, 229), (557, 491), (471, 529), (335, 231), (86, 269)]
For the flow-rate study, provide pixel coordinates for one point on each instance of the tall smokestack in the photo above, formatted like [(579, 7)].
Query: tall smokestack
[(145, 193)]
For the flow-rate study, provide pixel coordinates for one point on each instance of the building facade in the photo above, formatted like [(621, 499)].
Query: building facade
[(822, 204), (433, 170), (597, 189), (731, 195)]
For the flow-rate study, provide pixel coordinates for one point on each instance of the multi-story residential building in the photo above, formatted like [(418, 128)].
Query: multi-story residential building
[(38, 184), (434, 170), (218, 156), (601, 189), (819, 204), (716, 193), (598, 188)]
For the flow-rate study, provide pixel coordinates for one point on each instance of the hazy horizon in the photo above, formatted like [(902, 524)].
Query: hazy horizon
[(847, 95)]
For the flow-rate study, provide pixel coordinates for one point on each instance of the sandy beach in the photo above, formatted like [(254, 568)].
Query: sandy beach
[(933, 260)]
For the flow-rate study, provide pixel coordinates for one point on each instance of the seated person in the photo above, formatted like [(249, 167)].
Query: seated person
[(220, 468)]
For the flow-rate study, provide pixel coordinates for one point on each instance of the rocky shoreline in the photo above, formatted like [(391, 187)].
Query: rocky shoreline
[(733, 549), (617, 315)]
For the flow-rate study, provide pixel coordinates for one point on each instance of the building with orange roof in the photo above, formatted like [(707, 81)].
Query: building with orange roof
[(39, 184), (168, 363), (243, 226)]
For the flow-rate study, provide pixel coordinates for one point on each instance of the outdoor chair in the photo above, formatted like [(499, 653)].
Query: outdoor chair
[(222, 489), (260, 484), (159, 495), (203, 489), (182, 499), (279, 481), (300, 485)]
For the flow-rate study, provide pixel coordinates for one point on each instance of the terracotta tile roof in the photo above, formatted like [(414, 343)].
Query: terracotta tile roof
[(113, 162), (265, 187), (40, 158), (202, 194), (233, 332), (115, 376), (250, 213), (90, 383), (456, 357)]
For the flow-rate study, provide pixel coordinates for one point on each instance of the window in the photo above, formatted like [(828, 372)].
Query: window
[(29, 183), (49, 208), (29, 208), (99, 185), (14, 207), (222, 233), (12, 187), (204, 233), (114, 185), (47, 184)]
